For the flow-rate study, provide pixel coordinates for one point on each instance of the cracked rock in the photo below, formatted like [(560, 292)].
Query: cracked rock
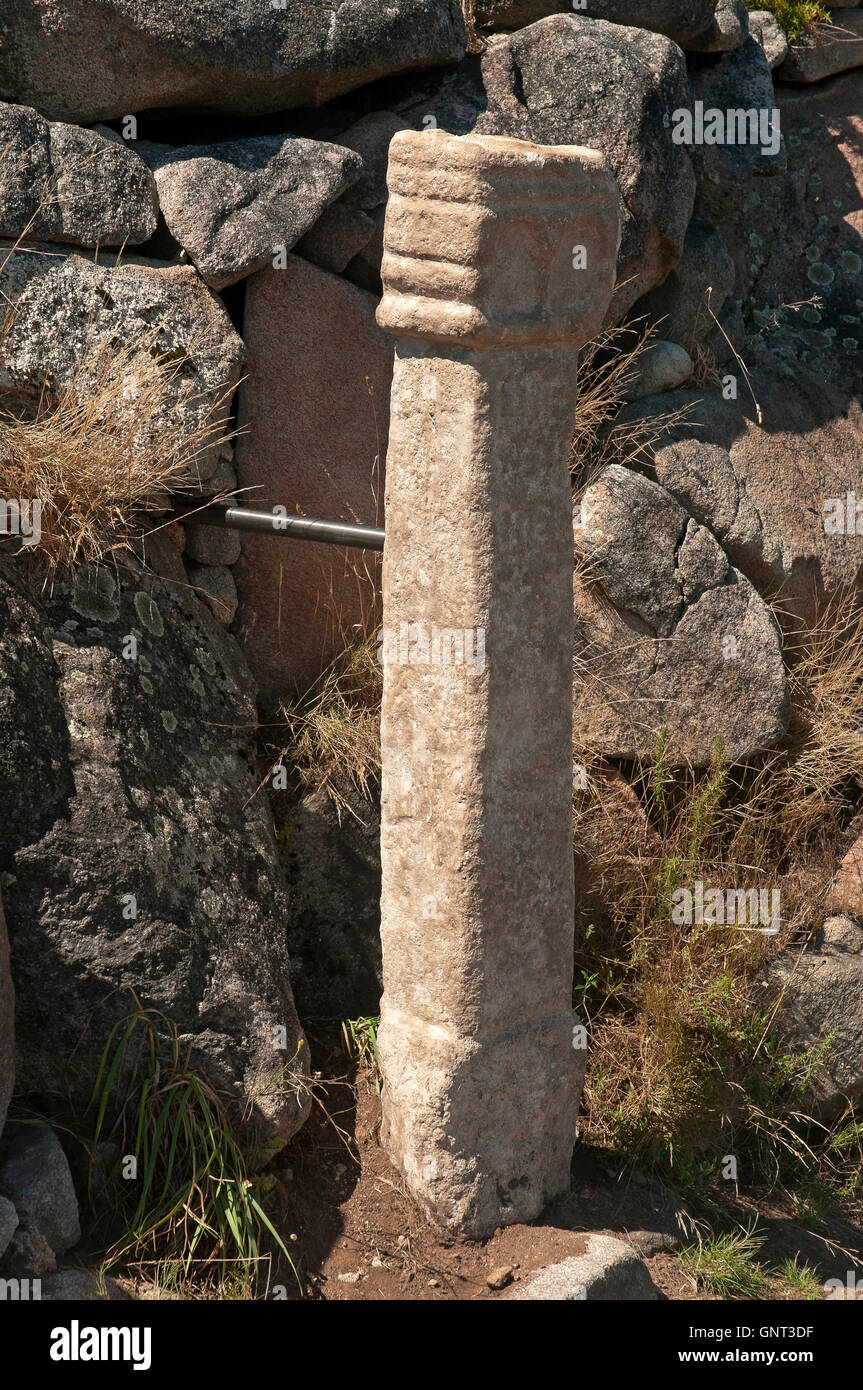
[(764, 489), (61, 183), (231, 206), (668, 633)]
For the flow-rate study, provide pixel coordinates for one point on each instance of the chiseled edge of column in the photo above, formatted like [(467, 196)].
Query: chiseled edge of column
[(499, 263)]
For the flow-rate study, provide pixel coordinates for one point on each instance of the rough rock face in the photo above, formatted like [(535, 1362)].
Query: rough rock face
[(823, 984), (333, 867), (35, 1177), (135, 855), (668, 633), (569, 80), (727, 29), (61, 183), (764, 490), (766, 29), (825, 50), (729, 172), (677, 19), (608, 1270), (70, 307), (679, 306), (315, 430), (515, 14), (89, 60), (232, 206), (7, 1021), (8, 1224), (799, 234)]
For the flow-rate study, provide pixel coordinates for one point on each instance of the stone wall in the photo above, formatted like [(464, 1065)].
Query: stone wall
[(214, 185)]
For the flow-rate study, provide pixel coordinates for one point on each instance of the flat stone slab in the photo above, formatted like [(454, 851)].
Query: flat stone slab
[(608, 1271), (61, 183), (233, 206), (313, 432)]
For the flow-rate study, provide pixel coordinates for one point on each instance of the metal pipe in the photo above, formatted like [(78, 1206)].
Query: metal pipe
[(302, 528)]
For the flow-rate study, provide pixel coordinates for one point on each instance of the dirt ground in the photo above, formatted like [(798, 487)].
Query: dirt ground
[(356, 1234)]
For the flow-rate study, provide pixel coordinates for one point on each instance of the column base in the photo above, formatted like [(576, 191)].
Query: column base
[(481, 1128)]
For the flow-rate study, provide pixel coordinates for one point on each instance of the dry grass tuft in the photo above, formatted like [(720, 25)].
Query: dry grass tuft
[(687, 1056), (607, 368), (334, 728), (706, 373), (93, 453)]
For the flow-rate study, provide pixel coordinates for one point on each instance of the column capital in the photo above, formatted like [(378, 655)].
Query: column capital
[(492, 242)]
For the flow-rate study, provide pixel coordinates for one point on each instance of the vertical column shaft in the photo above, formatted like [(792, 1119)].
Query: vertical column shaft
[(482, 1081)]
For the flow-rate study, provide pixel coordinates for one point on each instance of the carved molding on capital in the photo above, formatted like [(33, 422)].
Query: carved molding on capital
[(497, 243)]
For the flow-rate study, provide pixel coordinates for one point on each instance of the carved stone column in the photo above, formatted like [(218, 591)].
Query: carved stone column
[(499, 263)]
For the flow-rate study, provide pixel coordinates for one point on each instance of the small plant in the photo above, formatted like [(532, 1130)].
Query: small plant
[(794, 16), (193, 1203), (803, 1279), (360, 1041), (725, 1265)]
